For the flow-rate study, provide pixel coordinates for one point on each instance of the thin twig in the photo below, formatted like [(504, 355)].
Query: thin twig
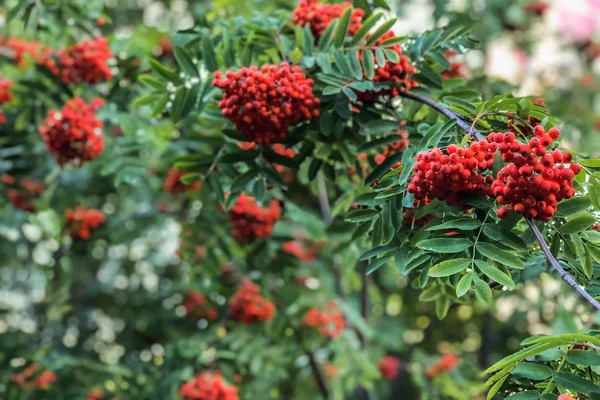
[(538, 235)]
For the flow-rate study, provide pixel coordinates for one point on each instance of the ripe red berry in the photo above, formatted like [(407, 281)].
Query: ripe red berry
[(502, 212)]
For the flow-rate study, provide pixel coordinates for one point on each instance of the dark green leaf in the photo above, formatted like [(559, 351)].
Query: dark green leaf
[(502, 256), (494, 273), (449, 267), (185, 61), (445, 245)]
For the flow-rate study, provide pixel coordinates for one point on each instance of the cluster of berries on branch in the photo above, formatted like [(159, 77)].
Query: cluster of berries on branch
[(445, 364), (328, 322), (398, 74), (74, 134), (445, 175), (81, 222), (174, 185), (5, 93), (30, 378), (208, 386), (532, 182), (86, 61), (21, 191), (389, 367), (196, 305), (248, 306), (251, 221), (263, 103), (319, 16)]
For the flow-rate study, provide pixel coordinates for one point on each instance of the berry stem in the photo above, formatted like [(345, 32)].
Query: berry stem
[(538, 235)]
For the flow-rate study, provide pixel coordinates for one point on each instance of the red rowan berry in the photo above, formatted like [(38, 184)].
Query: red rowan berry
[(282, 96), (248, 306), (86, 61), (81, 222), (400, 73), (329, 322), (74, 134), (5, 93), (319, 16), (208, 386), (250, 221), (389, 367), (502, 212)]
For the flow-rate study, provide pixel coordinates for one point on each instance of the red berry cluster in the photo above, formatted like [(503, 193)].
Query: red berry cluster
[(319, 16), (80, 222), (95, 394), (22, 49), (86, 62), (393, 148), (250, 220), (456, 68), (399, 73), (445, 176), (329, 322), (298, 249), (264, 103), (445, 364), (534, 181), (196, 305), (74, 134), (5, 93), (248, 306), (26, 378), (174, 185), (208, 386), (389, 367), (22, 191)]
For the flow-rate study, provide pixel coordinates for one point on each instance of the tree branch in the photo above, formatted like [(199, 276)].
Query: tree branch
[(538, 235)]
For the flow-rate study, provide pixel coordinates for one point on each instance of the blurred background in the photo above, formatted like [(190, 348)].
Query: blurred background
[(110, 314)]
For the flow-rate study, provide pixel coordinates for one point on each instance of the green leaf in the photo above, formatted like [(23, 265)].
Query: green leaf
[(379, 32), (583, 357), (494, 389), (505, 236), (325, 40), (573, 206), (13, 12), (401, 259), (165, 72), (533, 371), (464, 284), (576, 383), (355, 67), (442, 305), (577, 223), (341, 29), (361, 215), (382, 168), (242, 180), (594, 252), (376, 264), (445, 245), (160, 105), (184, 60), (314, 168), (482, 291), (238, 156), (449, 267), (593, 163), (502, 256), (152, 82), (591, 236), (376, 251), (368, 62), (463, 224), (498, 163), (494, 273), (379, 126), (208, 52), (365, 28), (184, 102), (430, 294)]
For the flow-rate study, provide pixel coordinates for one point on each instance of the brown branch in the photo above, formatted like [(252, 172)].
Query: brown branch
[(538, 235)]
